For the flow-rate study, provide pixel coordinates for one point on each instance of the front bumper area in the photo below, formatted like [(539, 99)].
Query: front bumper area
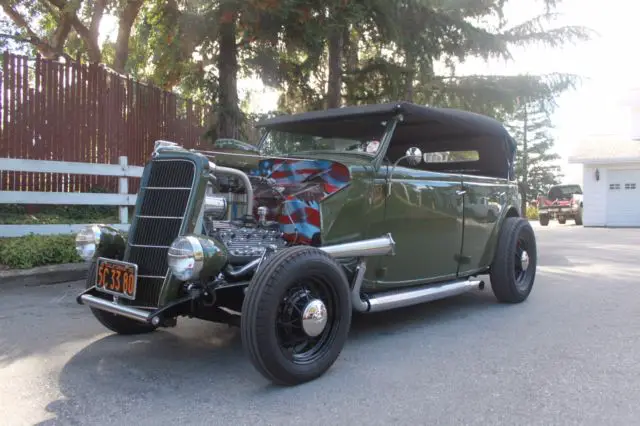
[(155, 317), (114, 308)]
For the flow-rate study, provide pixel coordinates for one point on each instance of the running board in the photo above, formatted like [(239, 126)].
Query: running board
[(408, 296)]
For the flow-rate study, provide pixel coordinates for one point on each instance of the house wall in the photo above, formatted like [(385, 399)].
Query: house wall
[(595, 192), (595, 196)]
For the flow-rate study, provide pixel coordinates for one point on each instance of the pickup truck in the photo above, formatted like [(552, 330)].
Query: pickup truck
[(562, 202)]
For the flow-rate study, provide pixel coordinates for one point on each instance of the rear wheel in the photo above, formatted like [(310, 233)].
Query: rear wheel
[(578, 217), (116, 323), (544, 220), (296, 315), (513, 271)]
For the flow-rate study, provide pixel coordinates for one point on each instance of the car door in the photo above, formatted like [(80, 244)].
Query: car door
[(423, 212), (484, 201)]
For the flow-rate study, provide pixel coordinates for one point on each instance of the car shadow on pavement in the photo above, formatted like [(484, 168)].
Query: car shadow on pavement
[(200, 359)]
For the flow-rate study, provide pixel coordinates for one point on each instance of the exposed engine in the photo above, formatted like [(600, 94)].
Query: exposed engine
[(286, 196), (245, 243)]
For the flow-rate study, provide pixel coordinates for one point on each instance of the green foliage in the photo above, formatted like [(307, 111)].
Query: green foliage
[(535, 165), (37, 250)]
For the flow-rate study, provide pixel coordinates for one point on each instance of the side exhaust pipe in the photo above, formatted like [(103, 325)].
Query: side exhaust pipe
[(406, 297), (374, 247)]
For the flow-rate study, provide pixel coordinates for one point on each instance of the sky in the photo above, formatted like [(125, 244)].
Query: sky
[(601, 104)]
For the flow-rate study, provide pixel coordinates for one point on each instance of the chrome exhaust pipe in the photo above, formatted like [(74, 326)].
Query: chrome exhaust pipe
[(401, 298), (374, 247), (239, 174), (406, 297)]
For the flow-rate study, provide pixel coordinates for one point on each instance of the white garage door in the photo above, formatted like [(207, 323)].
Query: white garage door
[(623, 198)]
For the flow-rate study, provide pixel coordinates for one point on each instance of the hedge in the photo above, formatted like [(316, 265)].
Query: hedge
[(37, 250)]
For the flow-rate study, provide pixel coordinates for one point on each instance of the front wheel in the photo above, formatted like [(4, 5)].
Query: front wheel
[(544, 220), (513, 270), (296, 315)]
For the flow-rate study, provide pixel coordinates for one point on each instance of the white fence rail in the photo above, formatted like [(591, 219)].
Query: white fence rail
[(122, 199)]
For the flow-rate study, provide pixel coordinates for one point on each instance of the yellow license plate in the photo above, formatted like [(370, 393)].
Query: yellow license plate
[(117, 278)]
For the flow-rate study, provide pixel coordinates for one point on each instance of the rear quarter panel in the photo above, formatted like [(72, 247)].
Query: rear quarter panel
[(488, 202)]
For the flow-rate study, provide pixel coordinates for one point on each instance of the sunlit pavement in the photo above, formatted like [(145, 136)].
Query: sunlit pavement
[(568, 356)]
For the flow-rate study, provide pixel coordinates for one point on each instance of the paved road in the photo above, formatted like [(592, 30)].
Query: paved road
[(569, 355)]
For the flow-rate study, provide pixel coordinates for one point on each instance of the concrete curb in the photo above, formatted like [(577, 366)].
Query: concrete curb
[(44, 275)]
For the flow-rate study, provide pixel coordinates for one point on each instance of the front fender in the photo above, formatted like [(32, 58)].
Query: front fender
[(112, 243)]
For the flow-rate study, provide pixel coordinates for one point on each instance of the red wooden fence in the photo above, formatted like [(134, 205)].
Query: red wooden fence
[(73, 112)]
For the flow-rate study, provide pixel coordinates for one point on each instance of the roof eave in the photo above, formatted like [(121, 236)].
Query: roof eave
[(603, 160)]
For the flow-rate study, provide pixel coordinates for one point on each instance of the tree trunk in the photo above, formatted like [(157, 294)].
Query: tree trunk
[(127, 18), (228, 73), (411, 75), (335, 68), (524, 191)]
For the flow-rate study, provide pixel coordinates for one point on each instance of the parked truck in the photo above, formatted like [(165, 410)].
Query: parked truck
[(562, 202)]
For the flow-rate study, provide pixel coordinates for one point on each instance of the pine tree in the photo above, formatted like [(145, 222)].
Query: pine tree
[(535, 169)]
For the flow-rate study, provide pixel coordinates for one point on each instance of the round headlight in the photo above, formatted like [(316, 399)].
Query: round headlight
[(87, 241), (185, 258)]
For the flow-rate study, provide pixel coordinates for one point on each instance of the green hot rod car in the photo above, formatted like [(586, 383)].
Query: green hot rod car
[(361, 209)]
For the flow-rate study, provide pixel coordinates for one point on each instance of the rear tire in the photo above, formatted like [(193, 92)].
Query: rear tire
[(280, 292), (544, 220), (115, 323), (512, 272), (578, 218)]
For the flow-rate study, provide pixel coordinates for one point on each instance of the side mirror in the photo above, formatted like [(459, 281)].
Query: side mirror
[(414, 156)]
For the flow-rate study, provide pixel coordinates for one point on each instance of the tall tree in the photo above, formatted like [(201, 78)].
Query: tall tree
[(535, 161), (70, 28)]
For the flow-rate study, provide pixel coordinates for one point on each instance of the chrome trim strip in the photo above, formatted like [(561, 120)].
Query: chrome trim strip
[(170, 189), (160, 217), (146, 246)]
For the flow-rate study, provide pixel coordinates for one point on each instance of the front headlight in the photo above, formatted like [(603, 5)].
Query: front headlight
[(87, 241), (192, 257), (185, 258)]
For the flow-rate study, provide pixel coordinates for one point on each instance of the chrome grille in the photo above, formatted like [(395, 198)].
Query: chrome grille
[(163, 204)]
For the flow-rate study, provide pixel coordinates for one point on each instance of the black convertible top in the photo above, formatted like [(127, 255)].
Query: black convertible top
[(431, 129), (363, 119)]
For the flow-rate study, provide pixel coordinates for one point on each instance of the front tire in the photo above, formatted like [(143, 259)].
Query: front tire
[(544, 220), (296, 283), (115, 323), (513, 270)]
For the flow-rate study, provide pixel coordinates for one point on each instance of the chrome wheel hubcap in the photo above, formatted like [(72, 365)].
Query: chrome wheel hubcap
[(524, 260), (314, 318)]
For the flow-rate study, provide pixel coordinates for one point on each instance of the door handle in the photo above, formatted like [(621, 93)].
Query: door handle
[(461, 191)]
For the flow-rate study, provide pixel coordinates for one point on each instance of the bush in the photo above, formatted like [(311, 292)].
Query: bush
[(38, 250), (532, 213)]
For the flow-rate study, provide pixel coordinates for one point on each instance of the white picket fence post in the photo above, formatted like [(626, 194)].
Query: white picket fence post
[(123, 188), (122, 199)]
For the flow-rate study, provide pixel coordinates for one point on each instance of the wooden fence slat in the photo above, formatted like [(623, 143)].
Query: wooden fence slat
[(51, 110)]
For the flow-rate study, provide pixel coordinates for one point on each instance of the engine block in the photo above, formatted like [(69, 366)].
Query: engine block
[(246, 243)]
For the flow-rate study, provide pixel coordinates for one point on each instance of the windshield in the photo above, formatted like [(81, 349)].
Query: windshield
[(559, 191), (277, 142)]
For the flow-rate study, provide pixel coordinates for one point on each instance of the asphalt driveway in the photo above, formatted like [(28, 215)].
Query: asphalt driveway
[(569, 355)]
